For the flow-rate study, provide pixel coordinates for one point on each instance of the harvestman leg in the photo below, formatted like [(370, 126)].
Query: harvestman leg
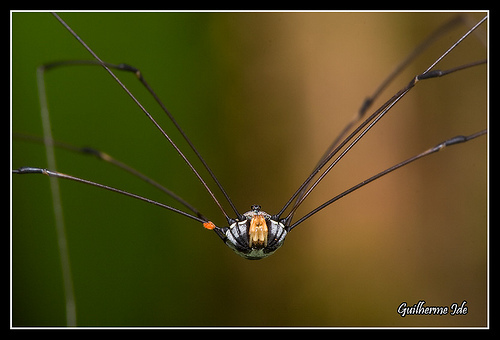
[(304, 190), (108, 66), (368, 102)]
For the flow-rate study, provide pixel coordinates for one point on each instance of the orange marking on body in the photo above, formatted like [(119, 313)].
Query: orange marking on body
[(258, 232)]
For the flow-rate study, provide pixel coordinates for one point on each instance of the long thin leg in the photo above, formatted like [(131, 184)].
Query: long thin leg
[(368, 102), (146, 112), (449, 142), (380, 113), (56, 174), (109, 159), (139, 75), (300, 194)]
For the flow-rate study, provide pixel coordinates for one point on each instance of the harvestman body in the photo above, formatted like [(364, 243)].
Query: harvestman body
[(257, 234)]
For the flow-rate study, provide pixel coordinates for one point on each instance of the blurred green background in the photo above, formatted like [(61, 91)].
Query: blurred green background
[(261, 95)]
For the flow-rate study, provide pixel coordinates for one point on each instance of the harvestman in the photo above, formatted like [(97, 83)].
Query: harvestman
[(257, 234)]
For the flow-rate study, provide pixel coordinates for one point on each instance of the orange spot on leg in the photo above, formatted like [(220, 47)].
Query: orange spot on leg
[(209, 225)]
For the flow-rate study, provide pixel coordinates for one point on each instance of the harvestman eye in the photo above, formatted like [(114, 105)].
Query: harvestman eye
[(257, 234)]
